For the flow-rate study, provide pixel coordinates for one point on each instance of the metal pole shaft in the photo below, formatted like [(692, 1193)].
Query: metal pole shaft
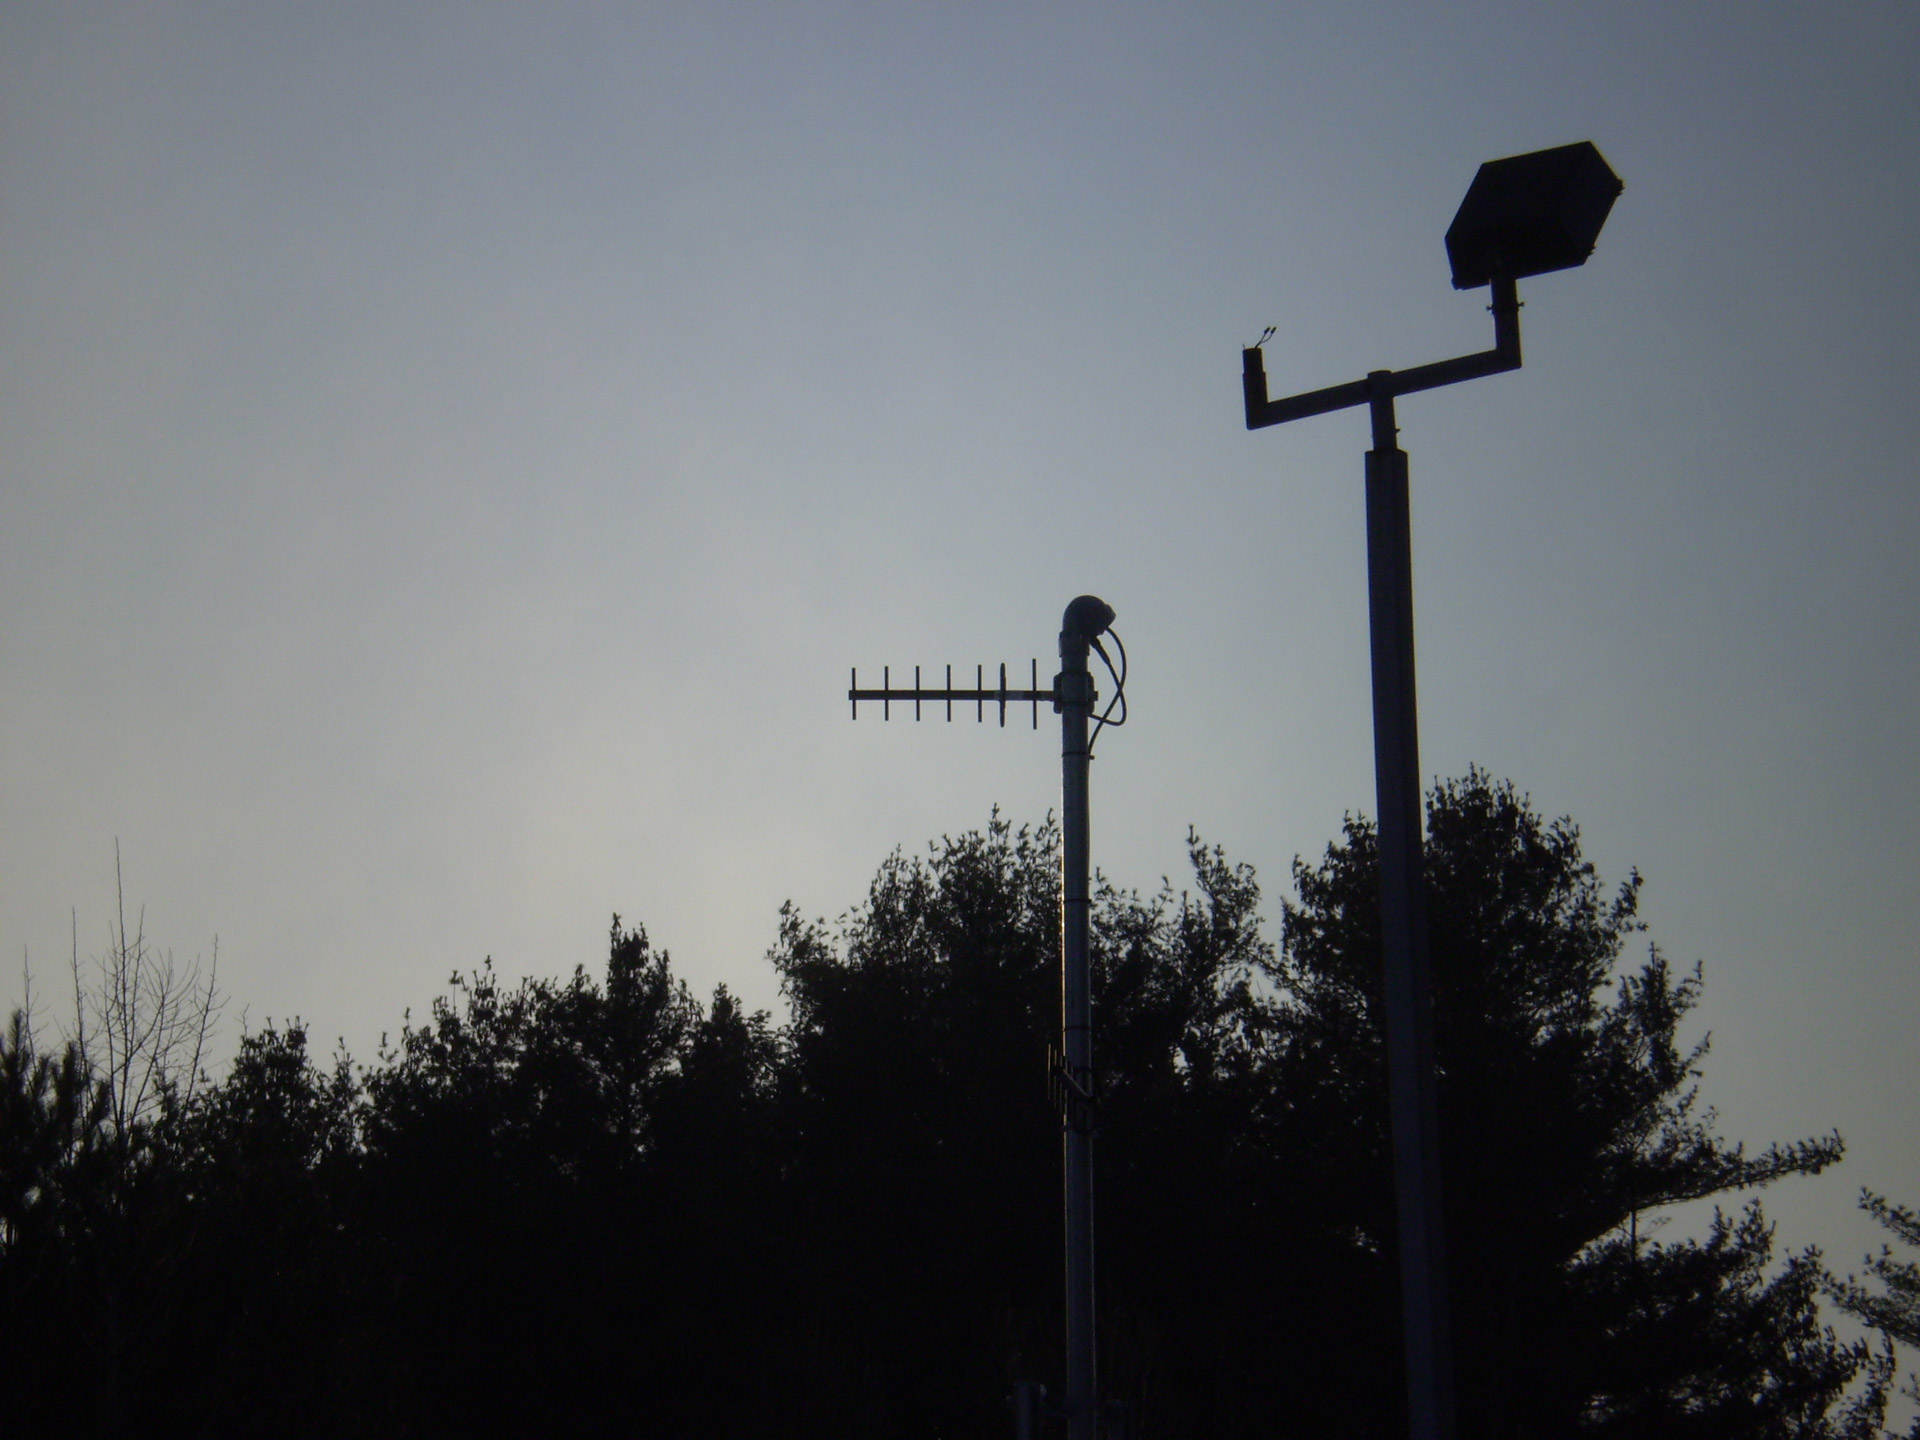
[(1075, 691), (1409, 999)]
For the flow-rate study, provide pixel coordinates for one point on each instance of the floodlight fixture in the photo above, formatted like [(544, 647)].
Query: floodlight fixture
[(1529, 214)]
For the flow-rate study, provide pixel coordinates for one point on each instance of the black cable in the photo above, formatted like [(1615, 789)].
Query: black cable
[(1105, 717)]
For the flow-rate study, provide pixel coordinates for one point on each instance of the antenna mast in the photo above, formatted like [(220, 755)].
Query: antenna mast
[(1071, 1079)]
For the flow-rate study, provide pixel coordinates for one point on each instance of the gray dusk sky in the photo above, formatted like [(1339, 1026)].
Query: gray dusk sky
[(452, 454)]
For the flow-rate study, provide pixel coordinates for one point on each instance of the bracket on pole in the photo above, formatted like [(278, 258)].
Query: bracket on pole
[(1384, 385), (1074, 1099)]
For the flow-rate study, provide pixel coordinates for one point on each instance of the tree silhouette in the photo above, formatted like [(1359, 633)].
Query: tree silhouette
[(924, 1160), (1895, 1306), (1565, 1114), (1892, 1306), (601, 1206)]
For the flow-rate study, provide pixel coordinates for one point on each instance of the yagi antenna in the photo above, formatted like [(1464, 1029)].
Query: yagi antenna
[(981, 694)]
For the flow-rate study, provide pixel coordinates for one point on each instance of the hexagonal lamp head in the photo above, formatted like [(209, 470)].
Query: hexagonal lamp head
[(1528, 214)]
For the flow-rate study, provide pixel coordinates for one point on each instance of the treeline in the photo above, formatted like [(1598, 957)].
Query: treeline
[(601, 1206)]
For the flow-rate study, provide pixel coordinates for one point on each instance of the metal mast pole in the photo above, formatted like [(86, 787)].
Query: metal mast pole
[(1085, 619), (1070, 1073), (1403, 922)]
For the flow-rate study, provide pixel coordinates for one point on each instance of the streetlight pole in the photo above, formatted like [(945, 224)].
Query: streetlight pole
[(1525, 215), (1403, 923)]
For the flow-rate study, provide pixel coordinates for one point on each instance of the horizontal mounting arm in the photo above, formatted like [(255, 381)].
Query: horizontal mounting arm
[(1386, 384)]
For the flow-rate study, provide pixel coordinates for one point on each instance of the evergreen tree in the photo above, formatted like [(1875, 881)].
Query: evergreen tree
[(1566, 1113), (1893, 1305)]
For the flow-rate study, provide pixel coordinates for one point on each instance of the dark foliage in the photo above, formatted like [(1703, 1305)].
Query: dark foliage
[(1565, 1114), (1894, 1307), (1888, 1299), (605, 1207)]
